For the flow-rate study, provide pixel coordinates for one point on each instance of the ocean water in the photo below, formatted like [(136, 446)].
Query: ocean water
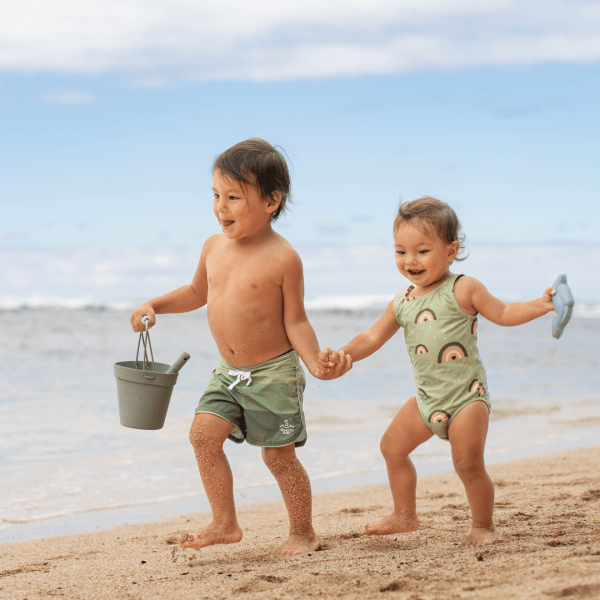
[(66, 464)]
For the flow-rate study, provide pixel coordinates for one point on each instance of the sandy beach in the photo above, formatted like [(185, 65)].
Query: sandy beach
[(547, 514)]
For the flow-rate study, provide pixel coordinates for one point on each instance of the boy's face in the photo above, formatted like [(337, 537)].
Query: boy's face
[(240, 209), (421, 255)]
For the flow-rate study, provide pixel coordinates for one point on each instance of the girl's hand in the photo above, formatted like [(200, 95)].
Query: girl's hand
[(145, 310), (547, 299)]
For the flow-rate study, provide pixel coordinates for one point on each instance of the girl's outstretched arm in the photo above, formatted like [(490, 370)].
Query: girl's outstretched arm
[(364, 344), (479, 300)]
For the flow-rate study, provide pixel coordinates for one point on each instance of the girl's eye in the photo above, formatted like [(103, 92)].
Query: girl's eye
[(400, 252), (423, 251)]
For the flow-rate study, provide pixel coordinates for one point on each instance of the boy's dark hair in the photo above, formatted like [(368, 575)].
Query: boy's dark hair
[(428, 212), (257, 163)]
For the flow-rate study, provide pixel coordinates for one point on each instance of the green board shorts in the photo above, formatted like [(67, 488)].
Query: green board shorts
[(263, 402)]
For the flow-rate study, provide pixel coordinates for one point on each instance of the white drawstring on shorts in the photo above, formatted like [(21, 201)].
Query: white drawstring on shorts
[(241, 376)]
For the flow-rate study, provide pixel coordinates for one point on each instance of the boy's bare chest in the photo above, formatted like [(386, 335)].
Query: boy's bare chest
[(242, 274)]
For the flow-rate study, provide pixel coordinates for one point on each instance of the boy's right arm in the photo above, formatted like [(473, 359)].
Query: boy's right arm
[(185, 299), (364, 344)]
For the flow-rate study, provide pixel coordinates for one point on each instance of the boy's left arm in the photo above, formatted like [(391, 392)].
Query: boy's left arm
[(297, 327), (507, 315)]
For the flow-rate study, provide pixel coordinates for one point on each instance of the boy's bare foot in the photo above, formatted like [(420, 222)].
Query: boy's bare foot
[(299, 544), (210, 535), (480, 536), (394, 523)]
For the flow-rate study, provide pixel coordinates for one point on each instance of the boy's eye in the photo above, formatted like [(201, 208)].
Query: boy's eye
[(423, 251), (400, 252)]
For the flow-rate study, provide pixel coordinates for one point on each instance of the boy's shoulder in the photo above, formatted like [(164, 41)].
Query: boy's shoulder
[(277, 248)]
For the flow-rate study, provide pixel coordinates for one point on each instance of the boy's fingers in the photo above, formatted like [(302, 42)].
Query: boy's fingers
[(334, 357), (348, 362)]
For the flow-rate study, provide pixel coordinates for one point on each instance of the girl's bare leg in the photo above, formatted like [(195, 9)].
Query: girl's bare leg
[(405, 433), (295, 489), (467, 435), (207, 435)]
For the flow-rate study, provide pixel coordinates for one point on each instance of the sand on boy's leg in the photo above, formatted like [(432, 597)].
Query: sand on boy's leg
[(295, 488), (207, 435), (404, 434), (467, 434)]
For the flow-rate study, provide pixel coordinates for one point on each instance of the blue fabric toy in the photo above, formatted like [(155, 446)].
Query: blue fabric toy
[(563, 305)]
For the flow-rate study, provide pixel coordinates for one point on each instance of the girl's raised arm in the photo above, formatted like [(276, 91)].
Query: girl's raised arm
[(507, 315)]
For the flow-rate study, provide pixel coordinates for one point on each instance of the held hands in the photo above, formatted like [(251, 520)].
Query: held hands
[(333, 364), (138, 313)]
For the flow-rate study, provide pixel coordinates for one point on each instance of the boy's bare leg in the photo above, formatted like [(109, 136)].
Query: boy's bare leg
[(467, 435), (207, 435), (295, 488), (405, 433)]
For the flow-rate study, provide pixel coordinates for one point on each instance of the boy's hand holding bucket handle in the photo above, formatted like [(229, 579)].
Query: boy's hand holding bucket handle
[(140, 315)]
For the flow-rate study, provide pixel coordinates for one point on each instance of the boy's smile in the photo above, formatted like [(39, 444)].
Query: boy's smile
[(421, 255), (240, 209)]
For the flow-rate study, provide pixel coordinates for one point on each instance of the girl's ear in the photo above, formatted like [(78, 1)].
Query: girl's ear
[(273, 202), (453, 249)]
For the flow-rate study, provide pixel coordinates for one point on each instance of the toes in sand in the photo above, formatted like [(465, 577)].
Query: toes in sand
[(394, 523), (299, 544), (211, 535), (480, 536)]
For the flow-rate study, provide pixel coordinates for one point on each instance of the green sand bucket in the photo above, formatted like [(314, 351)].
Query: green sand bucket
[(144, 388)]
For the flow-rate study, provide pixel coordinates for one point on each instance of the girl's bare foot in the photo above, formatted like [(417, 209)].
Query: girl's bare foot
[(394, 523), (480, 536), (214, 533), (299, 544)]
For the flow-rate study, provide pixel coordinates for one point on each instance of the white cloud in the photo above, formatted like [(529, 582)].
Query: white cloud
[(69, 97), (153, 41)]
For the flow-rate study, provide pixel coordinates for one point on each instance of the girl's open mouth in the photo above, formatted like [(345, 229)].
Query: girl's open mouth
[(416, 272)]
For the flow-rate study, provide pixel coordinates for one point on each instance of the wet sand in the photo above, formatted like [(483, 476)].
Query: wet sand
[(547, 514)]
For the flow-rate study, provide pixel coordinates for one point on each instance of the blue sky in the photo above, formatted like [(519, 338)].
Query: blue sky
[(110, 116)]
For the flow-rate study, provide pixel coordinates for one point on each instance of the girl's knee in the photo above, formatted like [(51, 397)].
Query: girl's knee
[(392, 448), (469, 468)]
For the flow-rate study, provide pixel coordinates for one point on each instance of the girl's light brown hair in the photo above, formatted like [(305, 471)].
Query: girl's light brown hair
[(429, 213)]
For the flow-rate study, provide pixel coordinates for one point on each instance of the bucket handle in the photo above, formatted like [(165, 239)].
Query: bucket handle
[(147, 344)]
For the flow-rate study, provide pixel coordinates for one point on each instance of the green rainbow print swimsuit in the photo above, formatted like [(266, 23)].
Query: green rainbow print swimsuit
[(441, 342)]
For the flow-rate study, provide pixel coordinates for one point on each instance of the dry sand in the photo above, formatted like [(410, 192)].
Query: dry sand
[(547, 514)]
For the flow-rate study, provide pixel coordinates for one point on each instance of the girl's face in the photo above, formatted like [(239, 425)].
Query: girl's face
[(421, 255)]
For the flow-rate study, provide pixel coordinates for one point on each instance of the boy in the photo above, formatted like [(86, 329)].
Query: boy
[(251, 280)]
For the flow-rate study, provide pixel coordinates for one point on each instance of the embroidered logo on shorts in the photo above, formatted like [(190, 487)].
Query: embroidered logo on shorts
[(286, 427)]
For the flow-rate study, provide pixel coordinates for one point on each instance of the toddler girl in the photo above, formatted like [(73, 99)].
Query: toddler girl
[(438, 312)]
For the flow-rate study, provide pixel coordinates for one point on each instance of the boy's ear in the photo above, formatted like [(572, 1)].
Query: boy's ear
[(273, 202)]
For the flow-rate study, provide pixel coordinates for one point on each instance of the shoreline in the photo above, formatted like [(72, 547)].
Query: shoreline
[(88, 521), (547, 514)]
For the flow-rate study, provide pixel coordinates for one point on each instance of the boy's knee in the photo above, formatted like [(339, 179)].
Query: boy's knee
[(277, 457), (202, 438)]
